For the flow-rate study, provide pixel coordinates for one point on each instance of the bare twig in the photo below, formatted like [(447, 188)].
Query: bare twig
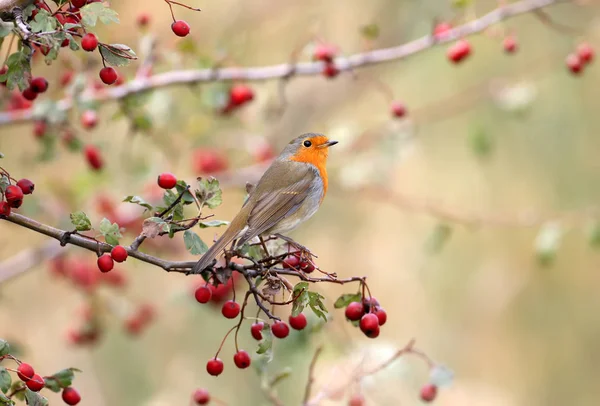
[(97, 247), (311, 375), (27, 259), (281, 71)]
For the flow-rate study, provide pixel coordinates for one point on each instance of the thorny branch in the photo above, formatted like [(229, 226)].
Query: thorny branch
[(287, 70)]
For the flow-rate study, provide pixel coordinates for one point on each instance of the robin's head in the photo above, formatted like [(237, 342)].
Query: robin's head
[(310, 148)]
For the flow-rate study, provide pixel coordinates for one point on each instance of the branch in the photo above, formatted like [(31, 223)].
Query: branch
[(95, 246), (287, 70), (311, 375), (27, 259)]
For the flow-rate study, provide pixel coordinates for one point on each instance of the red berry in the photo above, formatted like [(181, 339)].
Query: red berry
[(428, 392), (207, 161), (240, 94), (280, 329), (143, 19), (203, 294), (14, 196), (398, 109), (441, 28), (89, 42), (39, 85), (324, 52), (3, 70), (180, 28), (256, 330), (4, 209), (29, 94), (36, 383), (108, 75), (39, 128), (291, 262), (459, 51), (370, 304), (70, 396), (574, 63), (356, 400), (26, 186), (369, 324), (92, 154), (298, 322), (355, 311), (105, 263), (167, 180), (241, 359), (65, 42), (66, 77), (381, 315), (25, 372), (230, 309), (89, 119), (214, 366), (78, 3), (201, 396), (510, 44), (306, 266), (585, 52), (118, 253), (330, 70)]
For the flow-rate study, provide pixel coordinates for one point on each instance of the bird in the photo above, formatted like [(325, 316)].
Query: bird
[(289, 192)]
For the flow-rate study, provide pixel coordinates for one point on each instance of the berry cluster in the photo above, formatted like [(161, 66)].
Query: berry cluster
[(326, 53), (238, 96), (29, 379), (578, 60), (11, 196), (368, 314)]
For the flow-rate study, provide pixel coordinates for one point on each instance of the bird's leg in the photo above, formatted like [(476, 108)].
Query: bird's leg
[(294, 244), (262, 242)]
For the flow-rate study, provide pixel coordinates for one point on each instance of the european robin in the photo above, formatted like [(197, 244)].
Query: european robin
[(289, 193)]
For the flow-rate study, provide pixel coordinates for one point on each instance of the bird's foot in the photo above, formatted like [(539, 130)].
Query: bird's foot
[(304, 251)]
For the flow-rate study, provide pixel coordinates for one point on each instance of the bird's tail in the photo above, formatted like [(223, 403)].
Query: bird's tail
[(206, 260)]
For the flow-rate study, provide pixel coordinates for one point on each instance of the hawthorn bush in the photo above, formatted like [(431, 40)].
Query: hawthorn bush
[(123, 175)]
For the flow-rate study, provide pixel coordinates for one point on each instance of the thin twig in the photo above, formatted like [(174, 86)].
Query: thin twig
[(311, 375), (280, 71)]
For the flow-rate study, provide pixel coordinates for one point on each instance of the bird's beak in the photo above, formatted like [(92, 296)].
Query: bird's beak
[(328, 144)]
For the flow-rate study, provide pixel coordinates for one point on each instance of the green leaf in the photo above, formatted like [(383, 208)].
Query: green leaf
[(593, 234), (1, 155), (193, 243), (110, 231), (52, 384), (4, 347), (438, 238), (117, 54), (19, 71), (481, 142), (209, 193), (177, 211), (5, 400), (64, 377), (315, 302), (213, 223), (34, 398), (91, 13), (138, 200), (81, 221), (347, 298), (182, 187), (370, 31), (265, 345), (153, 226), (50, 111), (5, 380), (302, 298), (547, 242), (5, 28), (43, 22)]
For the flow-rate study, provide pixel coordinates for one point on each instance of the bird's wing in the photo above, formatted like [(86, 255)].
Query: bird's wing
[(274, 204)]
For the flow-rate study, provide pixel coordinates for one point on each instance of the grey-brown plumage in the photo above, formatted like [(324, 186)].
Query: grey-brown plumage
[(287, 194)]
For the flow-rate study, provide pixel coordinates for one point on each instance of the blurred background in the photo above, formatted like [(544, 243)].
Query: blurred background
[(473, 216)]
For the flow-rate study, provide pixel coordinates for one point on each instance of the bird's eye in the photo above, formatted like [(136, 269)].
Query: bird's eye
[(307, 143)]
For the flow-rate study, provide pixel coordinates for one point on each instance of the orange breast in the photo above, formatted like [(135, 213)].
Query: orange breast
[(316, 157)]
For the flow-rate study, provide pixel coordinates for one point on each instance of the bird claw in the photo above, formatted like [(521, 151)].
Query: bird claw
[(304, 251)]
